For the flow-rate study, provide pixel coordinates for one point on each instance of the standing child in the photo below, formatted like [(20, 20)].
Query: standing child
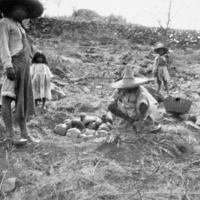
[(161, 67), (41, 76)]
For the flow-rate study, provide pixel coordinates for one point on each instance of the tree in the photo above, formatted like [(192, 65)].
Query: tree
[(166, 16), (57, 2), (44, 2)]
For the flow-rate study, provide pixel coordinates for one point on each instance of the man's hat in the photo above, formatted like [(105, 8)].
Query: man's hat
[(34, 7), (128, 80), (161, 46)]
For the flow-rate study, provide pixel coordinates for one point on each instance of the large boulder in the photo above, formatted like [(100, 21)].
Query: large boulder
[(57, 93)]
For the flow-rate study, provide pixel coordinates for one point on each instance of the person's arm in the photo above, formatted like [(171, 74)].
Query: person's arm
[(49, 72), (116, 95), (32, 70), (142, 106), (155, 66), (167, 57), (4, 45), (143, 109), (5, 55)]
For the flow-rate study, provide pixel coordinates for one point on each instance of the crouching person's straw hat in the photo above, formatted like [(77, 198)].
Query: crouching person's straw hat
[(34, 7), (128, 80)]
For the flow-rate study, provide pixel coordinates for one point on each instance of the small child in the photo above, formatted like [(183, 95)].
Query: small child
[(161, 67), (41, 76)]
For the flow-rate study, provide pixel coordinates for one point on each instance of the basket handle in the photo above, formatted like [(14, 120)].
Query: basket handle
[(177, 99)]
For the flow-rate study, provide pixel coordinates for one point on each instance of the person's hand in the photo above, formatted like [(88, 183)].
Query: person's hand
[(154, 73), (10, 73), (143, 109)]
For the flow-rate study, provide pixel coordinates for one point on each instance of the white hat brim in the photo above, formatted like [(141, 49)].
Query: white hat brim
[(129, 83)]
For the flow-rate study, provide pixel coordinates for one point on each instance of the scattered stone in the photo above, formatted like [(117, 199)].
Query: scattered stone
[(60, 116), (74, 123), (60, 83), (86, 43), (149, 69), (73, 133), (57, 93), (58, 71), (89, 132), (192, 118), (198, 121), (104, 127), (186, 85), (99, 87), (107, 117), (76, 55), (109, 125), (184, 117), (86, 119), (86, 107), (86, 89), (91, 125), (71, 60), (75, 79), (96, 105), (60, 129), (139, 70), (102, 133), (9, 185), (192, 125), (196, 97)]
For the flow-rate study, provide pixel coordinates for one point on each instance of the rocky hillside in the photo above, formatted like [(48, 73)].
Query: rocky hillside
[(118, 164), (109, 30)]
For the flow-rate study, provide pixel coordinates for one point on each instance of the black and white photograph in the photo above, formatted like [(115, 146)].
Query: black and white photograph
[(99, 99)]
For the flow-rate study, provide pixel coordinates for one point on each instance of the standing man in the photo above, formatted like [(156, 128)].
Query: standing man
[(15, 54)]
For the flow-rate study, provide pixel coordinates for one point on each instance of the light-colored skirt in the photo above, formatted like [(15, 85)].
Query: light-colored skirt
[(41, 87), (163, 74)]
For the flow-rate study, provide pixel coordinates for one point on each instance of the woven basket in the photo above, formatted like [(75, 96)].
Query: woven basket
[(177, 105)]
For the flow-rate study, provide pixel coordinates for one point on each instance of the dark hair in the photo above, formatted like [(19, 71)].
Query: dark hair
[(37, 55), (130, 90)]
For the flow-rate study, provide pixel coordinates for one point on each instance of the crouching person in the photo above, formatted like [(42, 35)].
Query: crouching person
[(131, 101)]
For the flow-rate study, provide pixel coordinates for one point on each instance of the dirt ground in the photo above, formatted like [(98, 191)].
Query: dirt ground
[(121, 165)]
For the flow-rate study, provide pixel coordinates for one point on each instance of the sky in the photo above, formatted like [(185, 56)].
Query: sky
[(185, 14)]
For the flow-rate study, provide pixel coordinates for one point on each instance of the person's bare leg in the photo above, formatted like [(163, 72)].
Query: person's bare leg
[(23, 127), (166, 87), (24, 131), (36, 103), (159, 85), (7, 116), (43, 103)]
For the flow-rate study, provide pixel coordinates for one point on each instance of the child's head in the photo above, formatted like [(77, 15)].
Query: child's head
[(161, 51), (39, 58)]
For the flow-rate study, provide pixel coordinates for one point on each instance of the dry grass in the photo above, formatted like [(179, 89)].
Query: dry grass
[(167, 168)]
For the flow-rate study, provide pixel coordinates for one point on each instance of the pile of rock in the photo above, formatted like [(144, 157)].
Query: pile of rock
[(85, 126)]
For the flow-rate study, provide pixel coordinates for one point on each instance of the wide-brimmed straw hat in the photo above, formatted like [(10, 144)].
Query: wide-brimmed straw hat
[(34, 7), (128, 80), (161, 46)]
